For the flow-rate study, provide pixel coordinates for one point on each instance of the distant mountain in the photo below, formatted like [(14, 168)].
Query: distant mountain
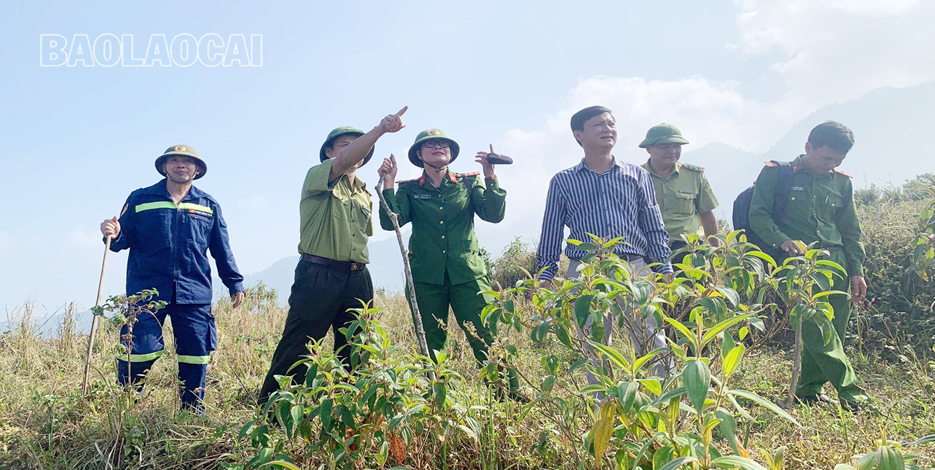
[(886, 150), (386, 269), (889, 149)]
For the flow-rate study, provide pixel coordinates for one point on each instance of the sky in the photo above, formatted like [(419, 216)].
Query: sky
[(78, 140)]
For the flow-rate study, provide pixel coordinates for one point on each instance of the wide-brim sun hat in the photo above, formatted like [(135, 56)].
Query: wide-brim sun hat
[(338, 132), (185, 151), (663, 134), (429, 134)]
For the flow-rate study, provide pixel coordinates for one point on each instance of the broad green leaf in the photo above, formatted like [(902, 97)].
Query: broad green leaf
[(764, 403), (733, 461), (729, 294), (689, 334), (733, 360), (638, 364), (728, 428), (612, 354), (724, 325), (678, 463), (281, 463), (583, 309), (926, 439), (697, 378)]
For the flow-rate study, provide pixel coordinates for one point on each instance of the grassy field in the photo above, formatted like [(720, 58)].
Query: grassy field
[(46, 424)]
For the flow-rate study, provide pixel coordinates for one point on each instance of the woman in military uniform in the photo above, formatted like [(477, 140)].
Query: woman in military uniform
[(447, 266)]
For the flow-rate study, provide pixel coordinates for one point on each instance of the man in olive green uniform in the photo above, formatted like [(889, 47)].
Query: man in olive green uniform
[(819, 208), (331, 277), (682, 191), (447, 266)]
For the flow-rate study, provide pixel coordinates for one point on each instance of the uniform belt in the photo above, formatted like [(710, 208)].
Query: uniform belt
[(833, 248), (339, 265)]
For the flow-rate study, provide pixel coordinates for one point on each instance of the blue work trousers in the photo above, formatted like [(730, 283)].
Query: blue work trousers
[(195, 338)]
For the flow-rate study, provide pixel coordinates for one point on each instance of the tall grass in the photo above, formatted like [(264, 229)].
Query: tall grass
[(46, 424)]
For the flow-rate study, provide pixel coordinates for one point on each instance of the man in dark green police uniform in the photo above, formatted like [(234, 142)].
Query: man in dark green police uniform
[(331, 277), (819, 208), (682, 191)]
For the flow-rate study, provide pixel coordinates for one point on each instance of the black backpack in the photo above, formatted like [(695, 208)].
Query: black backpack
[(741, 215)]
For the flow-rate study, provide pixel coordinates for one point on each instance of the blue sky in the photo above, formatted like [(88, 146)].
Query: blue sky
[(78, 140)]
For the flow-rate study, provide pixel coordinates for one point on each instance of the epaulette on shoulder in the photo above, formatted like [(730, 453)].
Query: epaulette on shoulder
[(693, 167), (464, 175), (843, 173), (771, 164)]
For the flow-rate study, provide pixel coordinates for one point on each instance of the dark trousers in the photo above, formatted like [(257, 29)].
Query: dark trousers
[(195, 338), (320, 300)]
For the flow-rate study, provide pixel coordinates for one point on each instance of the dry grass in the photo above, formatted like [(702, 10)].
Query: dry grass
[(46, 424)]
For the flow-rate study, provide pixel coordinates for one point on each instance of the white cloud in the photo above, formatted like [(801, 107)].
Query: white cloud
[(706, 111), (826, 51)]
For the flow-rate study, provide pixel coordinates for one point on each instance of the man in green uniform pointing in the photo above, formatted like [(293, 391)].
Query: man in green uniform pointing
[(682, 191), (819, 208), (331, 277)]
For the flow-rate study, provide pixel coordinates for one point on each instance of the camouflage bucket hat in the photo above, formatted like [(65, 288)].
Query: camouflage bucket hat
[(183, 150), (430, 134), (663, 134), (338, 132)]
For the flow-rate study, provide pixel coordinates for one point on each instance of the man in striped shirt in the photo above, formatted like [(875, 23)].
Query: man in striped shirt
[(609, 199)]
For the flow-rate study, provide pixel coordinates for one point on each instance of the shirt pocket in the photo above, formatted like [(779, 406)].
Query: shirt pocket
[(154, 226), (830, 204), (797, 204), (681, 202), (366, 220), (201, 225)]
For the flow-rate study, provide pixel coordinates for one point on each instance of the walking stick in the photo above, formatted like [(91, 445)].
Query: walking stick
[(416, 316), (97, 303)]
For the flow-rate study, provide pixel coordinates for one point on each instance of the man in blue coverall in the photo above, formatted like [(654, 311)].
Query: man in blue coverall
[(169, 228)]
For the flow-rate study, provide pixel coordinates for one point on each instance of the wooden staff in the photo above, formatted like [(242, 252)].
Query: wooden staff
[(97, 303), (416, 316)]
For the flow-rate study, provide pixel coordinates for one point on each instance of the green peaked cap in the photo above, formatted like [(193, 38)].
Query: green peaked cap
[(185, 151), (338, 132), (429, 134), (663, 134)]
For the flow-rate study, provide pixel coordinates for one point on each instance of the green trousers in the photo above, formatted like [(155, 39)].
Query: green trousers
[(827, 362), (434, 301)]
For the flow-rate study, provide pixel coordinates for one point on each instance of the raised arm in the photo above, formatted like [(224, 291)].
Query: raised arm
[(357, 150)]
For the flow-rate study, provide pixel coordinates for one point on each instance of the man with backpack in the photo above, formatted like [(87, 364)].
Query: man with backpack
[(816, 203)]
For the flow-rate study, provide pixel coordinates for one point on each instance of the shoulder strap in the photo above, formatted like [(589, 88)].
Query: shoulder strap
[(783, 187)]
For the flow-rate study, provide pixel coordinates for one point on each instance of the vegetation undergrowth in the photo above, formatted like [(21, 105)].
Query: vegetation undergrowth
[(729, 362)]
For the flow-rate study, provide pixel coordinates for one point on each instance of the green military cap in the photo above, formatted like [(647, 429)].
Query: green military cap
[(663, 134), (182, 150), (429, 134), (338, 132)]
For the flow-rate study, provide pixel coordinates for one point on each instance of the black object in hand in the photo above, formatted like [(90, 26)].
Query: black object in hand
[(497, 159)]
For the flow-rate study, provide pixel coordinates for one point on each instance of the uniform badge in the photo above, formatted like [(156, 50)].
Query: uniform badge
[(179, 148)]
